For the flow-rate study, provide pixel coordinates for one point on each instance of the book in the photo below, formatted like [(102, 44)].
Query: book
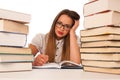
[(106, 43), (102, 19), (13, 67), (100, 50), (61, 65), (11, 58), (102, 5), (15, 16), (12, 39), (111, 37), (101, 56), (15, 50), (103, 30), (99, 63), (102, 70), (12, 26)]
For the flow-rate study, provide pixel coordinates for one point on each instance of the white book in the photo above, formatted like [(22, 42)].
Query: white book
[(61, 65), (11, 67), (102, 19), (12, 39), (10, 58), (15, 16), (98, 6)]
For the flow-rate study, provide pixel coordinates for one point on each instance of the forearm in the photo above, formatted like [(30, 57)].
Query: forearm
[(74, 48), (33, 49)]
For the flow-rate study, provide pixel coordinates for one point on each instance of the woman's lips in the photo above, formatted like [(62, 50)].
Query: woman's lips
[(61, 33)]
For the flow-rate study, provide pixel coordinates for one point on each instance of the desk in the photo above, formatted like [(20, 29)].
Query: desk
[(57, 74)]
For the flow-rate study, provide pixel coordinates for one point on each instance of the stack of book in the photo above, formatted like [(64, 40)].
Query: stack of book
[(100, 40), (14, 56)]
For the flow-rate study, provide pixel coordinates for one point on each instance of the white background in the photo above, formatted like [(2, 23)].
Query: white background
[(43, 12)]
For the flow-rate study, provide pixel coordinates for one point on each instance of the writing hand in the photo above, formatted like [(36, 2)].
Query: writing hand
[(40, 60)]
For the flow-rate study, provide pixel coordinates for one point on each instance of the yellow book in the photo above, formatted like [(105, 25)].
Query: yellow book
[(14, 27)]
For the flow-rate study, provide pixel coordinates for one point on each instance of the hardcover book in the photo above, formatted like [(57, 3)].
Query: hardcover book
[(15, 50), (99, 63), (13, 67), (103, 30), (14, 27), (13, 39), (102, 70), (101, 44), (15, 16), (102, 5), (101, 56), (11, 58), (111, 37), (100, 50), (102, 19)]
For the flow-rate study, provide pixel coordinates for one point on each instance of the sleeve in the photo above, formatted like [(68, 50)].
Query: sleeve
[(38, 41)]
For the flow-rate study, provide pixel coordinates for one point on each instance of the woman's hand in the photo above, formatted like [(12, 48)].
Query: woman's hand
[(75, 26), (40, 60)]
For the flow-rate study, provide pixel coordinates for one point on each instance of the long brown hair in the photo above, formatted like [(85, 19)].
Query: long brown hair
[(51, 41)]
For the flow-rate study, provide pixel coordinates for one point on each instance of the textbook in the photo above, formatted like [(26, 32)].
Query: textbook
[(100, 63), (111, 37), (106, 43), (100, 50), (100, 31), (15, 50), (12, 39), (12, 26), (102, 70), (101, 56), (11, 58), (61, 65), (102, 5), (102, 19), (15, 16), (13, 67)]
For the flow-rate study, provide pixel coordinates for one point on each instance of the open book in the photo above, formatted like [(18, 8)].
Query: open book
[(61, 65)]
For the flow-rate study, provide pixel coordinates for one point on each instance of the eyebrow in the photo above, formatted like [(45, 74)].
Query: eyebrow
[(64, 24)]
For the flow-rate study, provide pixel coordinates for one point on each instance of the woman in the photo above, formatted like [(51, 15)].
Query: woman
[(61, 43)]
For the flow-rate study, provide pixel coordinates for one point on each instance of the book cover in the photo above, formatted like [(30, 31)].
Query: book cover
[(61, 65), (100, 50), (12, 39), (100, 63), (15, 16), (11, 58), (101, 56), (106, 43), (102, 19), (15, 50), (13, 67), (102, 70), (103, 30), (111, 37), (14, 27), (102, 5)]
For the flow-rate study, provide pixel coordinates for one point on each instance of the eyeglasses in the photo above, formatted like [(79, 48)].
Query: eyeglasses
[(65, 26)]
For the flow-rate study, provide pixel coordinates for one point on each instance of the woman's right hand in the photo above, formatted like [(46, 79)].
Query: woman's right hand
[(40, 60)]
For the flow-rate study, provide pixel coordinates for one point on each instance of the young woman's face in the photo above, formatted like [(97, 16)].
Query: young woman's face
[(63, 26)]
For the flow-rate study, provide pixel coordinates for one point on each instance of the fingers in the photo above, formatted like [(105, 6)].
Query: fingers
[(40, 60)]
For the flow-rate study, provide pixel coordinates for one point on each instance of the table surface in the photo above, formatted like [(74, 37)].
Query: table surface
[(57, 74)]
